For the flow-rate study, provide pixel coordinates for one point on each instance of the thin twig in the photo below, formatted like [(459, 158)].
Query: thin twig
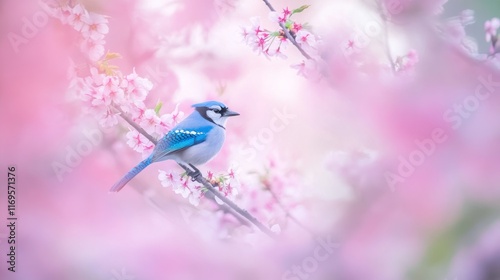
[(287, 213), (200, 179), (387, 48), (287, 33), (227, 209), (236, 210), (269, 6)]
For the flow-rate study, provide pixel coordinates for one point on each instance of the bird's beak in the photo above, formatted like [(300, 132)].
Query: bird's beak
[(230, 113)]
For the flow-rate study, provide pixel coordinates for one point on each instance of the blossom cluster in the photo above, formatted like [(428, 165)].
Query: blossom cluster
[(273, 43), (491, 29), (92, 27), (406, 63), (225, 183), (105, 95), (104, 90)]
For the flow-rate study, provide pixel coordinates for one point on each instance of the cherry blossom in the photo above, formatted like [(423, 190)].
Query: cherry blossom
[(150, 120), (95, 27), (210, 175), (176, 115), (78, 17), (94, 48), (225, 183), (306, 40), (136, 111), (182, 185), (276, 228), (187, 189), (138, 142), (99, 97), (167, 179), (280, 18), (407, 62), (62, 13), (110, 88), (165, 124), (136, 87), (307, 68), (491, 27), (108, 118), (195, 195), (96, 78)]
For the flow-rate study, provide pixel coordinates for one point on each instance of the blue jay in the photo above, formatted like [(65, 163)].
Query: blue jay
[(193, 141)]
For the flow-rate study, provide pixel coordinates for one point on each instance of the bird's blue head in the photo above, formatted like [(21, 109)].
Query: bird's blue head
[(215, 112)]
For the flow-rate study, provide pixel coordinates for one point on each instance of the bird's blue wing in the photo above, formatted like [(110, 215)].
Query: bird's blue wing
[(178, 139)]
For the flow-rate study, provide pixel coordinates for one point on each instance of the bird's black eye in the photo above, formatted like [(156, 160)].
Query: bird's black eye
[(216, 111)]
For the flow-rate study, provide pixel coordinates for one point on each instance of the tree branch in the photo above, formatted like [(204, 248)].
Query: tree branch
[(234, 209), (386, 37)]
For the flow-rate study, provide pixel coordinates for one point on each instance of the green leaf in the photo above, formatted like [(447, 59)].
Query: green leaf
[(275, 33), (300, 9), (158, 107)]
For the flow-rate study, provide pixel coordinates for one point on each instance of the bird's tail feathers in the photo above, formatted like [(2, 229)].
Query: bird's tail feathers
[(131, 174)]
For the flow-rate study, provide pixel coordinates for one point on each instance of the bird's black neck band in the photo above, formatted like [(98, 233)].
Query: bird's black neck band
[(203, 113)]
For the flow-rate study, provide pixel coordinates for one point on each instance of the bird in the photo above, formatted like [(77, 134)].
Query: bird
[(193, 141)]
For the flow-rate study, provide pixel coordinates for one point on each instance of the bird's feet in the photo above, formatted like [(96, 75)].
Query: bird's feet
[(195, 174), (192, 172)]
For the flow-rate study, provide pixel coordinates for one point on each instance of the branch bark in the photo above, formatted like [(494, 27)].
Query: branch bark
[(387, 48)]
